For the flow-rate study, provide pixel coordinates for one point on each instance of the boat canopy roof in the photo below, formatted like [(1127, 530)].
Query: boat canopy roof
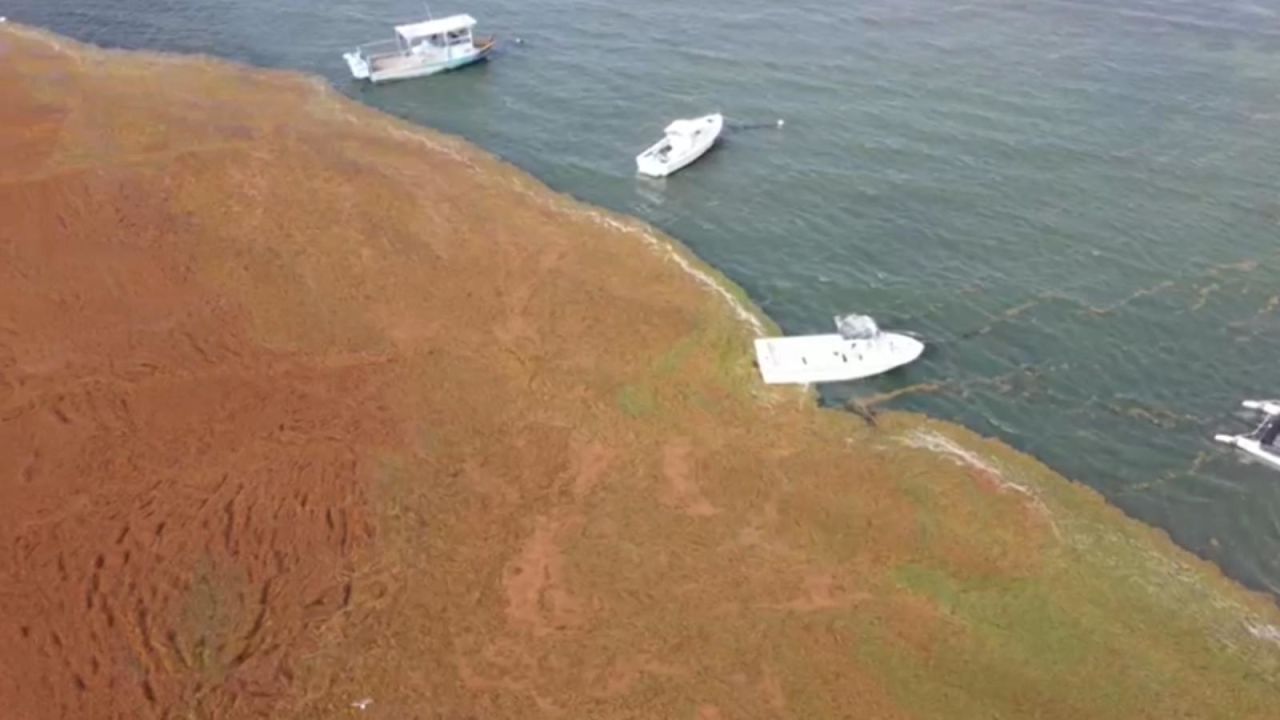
[(428, 28)]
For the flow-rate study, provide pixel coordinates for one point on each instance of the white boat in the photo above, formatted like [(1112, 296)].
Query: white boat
[(858, 350), (420, 49), (683, 142), (1262, 442), (1266, 407)]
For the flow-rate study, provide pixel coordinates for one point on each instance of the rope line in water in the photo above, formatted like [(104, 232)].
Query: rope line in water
[(737, 126)]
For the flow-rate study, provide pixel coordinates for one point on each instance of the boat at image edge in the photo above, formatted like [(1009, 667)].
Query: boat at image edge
[(1261, 443)]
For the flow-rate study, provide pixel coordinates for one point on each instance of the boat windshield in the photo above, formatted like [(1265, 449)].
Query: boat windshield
[(678, 143), (686, 128), (856, 327)]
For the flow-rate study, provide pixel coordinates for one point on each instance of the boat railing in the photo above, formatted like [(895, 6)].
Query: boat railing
[(379, 48)]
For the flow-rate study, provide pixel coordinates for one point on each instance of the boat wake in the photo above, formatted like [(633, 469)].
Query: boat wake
[(740, 126)]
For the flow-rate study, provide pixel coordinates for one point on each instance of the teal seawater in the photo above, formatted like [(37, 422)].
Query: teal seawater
[(1075, 201)]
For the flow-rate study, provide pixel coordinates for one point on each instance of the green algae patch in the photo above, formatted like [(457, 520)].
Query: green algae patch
[(636, 400)]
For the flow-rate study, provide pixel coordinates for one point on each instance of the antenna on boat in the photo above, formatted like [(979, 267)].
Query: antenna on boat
[(428, 7)]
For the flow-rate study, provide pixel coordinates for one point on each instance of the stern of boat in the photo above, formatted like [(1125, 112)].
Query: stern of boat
[(358, 64), (648, 165), (486, 45)]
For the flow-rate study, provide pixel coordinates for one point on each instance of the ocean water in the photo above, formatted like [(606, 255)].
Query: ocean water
[(1074, 201)]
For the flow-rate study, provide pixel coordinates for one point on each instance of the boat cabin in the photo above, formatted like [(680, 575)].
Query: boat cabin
[(434, 36)]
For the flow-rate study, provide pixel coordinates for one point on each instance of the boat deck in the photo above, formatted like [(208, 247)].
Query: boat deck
[(394, 63), (808, 359)]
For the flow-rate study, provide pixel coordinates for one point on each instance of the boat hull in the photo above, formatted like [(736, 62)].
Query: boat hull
[(807, 359)]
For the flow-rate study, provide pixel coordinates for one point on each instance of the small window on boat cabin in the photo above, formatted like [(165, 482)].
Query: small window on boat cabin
[(458, 37)]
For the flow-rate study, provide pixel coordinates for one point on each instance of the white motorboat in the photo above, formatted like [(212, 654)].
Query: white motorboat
[(1262, 442), (858, 350), (1266, 407), (684, 141), (420, 49)]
